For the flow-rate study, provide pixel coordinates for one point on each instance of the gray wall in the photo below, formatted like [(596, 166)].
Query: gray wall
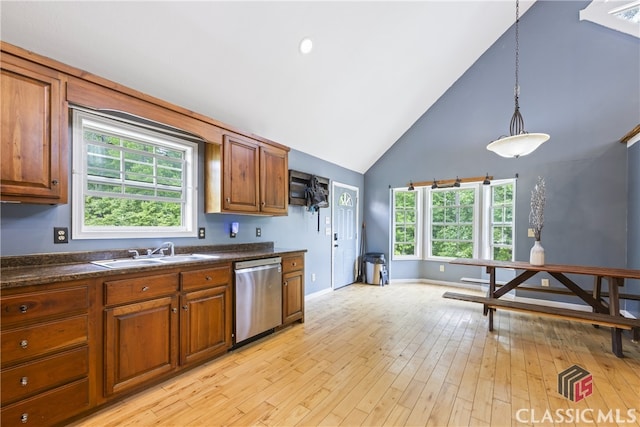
[(28, 229), (579, 83)]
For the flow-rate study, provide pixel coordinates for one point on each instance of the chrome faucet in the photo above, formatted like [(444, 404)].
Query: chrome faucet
[(160, 250)]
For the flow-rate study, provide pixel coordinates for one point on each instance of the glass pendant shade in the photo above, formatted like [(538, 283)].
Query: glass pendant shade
[(520, 143), (517, 145)]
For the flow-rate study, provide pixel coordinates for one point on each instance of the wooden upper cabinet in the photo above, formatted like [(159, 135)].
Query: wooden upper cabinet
[(241, 172), (34, 165), (274, 182), (247, 177)]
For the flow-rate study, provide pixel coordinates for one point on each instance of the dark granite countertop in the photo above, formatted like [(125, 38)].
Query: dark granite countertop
[(38, 269)]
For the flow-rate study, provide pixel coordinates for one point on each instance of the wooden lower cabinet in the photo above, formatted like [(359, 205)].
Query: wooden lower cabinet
[(140, 343), (292, 289), (48, 336), (206, 313), (157, 324)]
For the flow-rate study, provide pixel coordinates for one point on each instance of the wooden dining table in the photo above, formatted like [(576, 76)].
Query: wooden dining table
[(615, 278)]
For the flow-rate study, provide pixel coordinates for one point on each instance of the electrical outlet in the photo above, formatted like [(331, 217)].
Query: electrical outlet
[(201, 233), (545, 282), (441, 268), (313, 277), (530, 232), (60, 235), (258, 231)]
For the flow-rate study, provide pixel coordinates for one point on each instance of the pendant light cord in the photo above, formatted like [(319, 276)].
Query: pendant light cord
[(516, 127)]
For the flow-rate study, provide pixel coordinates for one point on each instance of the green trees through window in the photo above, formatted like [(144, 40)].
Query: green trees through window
[(452, 223), (131, 180), (405, 223), (472, 221)]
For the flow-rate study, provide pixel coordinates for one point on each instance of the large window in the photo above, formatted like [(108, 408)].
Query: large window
[(406, 225), (470, 221), (452, 223), (131, 181), (501, 221)]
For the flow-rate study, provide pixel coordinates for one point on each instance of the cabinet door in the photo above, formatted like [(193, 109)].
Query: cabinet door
[(292, 297), (140, 342), (240, 191), (34, 149), (205, 324), (274, 181)]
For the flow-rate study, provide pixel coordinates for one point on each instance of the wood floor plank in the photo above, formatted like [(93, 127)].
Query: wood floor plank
[(398, 355)]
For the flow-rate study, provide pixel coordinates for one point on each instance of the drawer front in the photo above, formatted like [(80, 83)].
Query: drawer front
[(36, 305), (43, 374), (141, 288), (206, 278), (29, 342), (48, 408), (292, 263)]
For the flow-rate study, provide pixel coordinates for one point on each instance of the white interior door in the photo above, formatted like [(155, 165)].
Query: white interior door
[(345, 234)]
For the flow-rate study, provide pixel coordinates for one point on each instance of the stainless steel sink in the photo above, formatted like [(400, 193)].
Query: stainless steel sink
[(187, 258), (143, 262)]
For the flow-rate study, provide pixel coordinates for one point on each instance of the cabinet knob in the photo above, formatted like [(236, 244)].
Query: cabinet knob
[(24, 418), (54, 182), (294, 264), (145, 288), (185, 307), (24, 343), (263, 203), (174, 310), (286, 283), (24, 381), (228, 199), (23, 308), (207, 278)]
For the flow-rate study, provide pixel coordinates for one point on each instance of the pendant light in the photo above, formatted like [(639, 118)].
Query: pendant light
[(520, 142)]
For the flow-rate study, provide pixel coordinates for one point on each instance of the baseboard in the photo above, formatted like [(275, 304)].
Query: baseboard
[(317, 294)]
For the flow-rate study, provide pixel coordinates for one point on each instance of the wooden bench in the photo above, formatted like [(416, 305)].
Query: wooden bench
[(601, 319)]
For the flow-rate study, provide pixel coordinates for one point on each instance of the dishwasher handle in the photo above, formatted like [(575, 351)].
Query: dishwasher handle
[(250, 270), (242, 265)]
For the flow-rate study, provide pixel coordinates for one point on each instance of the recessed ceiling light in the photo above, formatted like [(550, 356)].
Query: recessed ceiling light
[(306, 45)]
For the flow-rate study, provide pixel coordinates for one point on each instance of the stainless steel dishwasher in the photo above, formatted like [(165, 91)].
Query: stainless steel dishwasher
[(258, 297)]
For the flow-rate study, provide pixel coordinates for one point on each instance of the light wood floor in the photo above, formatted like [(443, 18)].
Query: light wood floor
[(397, 355)]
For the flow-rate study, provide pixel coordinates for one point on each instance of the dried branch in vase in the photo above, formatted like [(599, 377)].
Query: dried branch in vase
[(536, 215)]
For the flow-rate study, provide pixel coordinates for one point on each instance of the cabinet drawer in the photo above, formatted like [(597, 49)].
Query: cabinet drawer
[(36, 305), (26, 343), (48, 408), (43, 374), (292, 263), (141, 288), (206, 278)]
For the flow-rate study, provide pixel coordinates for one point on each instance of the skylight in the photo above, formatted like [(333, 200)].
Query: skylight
[(630, 12), (619, 15)]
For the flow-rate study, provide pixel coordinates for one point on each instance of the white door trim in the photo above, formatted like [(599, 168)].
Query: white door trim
[(335, 184)]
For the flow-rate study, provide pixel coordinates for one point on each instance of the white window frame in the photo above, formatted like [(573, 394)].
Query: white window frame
[(419, 227), (482, 221), (188, 228), (487, 201), (476, 220)]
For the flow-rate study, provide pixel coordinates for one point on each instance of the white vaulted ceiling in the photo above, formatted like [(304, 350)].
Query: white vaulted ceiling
[(375, 68)]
